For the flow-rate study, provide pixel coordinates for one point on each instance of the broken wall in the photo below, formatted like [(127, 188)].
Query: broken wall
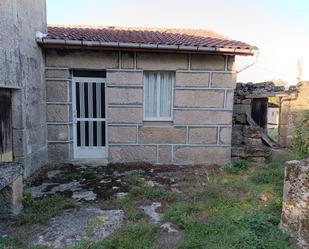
[(293, 107), (22, 71), (246, 133)]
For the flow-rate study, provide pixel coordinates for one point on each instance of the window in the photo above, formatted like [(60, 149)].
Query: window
[(158, 95)]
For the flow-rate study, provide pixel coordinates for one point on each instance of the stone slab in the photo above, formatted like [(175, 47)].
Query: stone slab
[(189, 79), (205, 135), (162, 61), (201, 117), (122, 134), (202, 155), (9, 172), (222, 80), (295, 208), (76, 225), (125, 95), (199, 98), (136, 153), (124, 78), (161, 135), (207, 62)]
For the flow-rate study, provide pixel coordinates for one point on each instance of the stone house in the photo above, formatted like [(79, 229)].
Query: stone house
[(119, 94)]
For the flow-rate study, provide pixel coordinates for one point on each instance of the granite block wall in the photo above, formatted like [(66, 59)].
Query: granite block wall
[(202, 111), (22, 72)]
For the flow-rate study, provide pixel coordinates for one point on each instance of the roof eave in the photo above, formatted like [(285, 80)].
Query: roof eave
[(67, 44)]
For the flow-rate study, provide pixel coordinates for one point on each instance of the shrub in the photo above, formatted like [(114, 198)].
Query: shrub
[(301, 137), (238, 166)]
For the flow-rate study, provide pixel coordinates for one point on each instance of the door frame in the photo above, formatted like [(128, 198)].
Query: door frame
[(74, 116)]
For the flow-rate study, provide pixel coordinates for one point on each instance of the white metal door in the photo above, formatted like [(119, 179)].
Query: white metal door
[(89, 118)]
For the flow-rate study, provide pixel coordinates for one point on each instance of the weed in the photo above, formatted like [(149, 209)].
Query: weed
[(128, 205), (180, 213), (268, 176), (18, 242), (139, 236), (238, 166), (152, 193), (134, 179), (39, 211)]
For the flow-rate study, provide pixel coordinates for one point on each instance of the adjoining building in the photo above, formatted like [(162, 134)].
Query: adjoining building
[(294, 111)]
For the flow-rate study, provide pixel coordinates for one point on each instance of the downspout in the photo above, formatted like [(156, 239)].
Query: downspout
[(251, 64)]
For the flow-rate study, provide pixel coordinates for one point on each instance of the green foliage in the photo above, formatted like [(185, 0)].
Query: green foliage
[(256, 231), (268, 176), (301, 140), (128, 205), (18, 242), (133, 237), (180, 213), (238, 166), (273, 133), (152, 193), (134, 179), (27, 198), (41, 210)]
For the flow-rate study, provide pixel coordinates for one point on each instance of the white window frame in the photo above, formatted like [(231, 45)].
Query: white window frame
[(158, 98)]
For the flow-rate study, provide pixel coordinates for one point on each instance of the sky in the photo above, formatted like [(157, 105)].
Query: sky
[(279, 28)]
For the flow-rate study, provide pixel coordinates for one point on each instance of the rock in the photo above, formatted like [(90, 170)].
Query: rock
[(84, 195), (121, 195), (105, 181), (42, 190), (11, 189), (155, 217), (295, 206), (70, 186), (53, 173), (168, 236), (149, 183), (73, 226), (9, 172), (265, 197)]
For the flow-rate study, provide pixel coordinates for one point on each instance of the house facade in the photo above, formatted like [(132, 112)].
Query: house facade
[(124, 94)]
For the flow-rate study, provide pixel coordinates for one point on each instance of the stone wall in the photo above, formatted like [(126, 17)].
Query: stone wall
[(22, 71), (247, 139), (293, 107), (295, 208), (202, 113)]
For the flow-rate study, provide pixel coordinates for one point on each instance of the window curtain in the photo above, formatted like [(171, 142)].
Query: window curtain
[(165, 94), (151, 97), (158, 94)]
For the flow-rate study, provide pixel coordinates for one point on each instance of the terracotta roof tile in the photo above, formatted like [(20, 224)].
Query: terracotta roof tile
[(178, 37)]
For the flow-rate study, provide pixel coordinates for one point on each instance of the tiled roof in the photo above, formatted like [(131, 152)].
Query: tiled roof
[(189, 39)]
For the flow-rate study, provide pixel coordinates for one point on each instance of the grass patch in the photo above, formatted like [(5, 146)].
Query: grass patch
[(238, 166), (18, 242), (41, 210), (133, 237), (235, 217), (153, 193)]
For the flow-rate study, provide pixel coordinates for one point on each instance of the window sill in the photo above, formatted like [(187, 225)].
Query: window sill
[(157, 122)]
